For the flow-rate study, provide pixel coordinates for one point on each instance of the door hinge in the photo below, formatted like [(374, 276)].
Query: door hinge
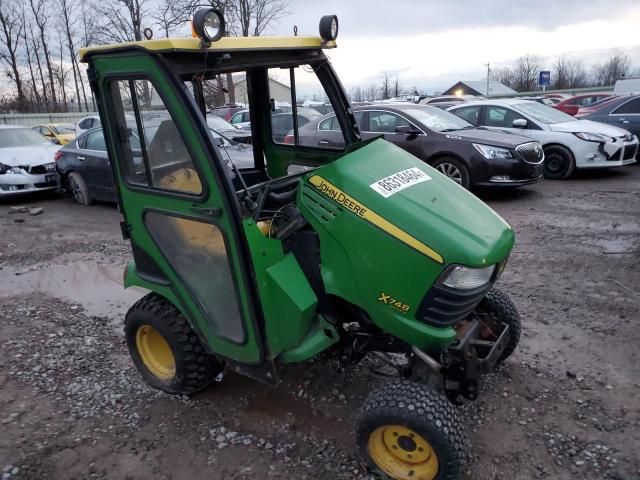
[(125, 228), (208, 211)]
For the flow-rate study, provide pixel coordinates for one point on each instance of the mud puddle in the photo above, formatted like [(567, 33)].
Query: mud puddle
[(97, 287)]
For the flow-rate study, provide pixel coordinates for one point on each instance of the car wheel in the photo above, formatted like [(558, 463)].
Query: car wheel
[(454, 169), (79, 189), (559, 163)]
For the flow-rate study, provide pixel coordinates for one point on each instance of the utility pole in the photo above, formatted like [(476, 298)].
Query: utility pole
[(488, 73)]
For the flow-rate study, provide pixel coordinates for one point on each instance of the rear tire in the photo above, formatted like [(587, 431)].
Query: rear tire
[(559, 163), (453, 169), (499, 305), (79, 189), (407, 431), (165, 349)]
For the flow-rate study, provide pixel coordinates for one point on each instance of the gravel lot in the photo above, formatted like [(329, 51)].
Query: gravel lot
[(565, 405)]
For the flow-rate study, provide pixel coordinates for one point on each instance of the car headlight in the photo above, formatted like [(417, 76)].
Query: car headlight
[(467, 278), (9, 169), (490, 152), (592, 137)]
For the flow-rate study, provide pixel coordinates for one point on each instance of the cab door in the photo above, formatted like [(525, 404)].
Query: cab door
[(180, 212)]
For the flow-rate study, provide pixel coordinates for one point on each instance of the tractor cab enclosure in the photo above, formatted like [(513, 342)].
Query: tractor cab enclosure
[(280, 251)]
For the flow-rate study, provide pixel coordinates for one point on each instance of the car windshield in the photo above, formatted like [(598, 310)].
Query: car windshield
[(219, 123), (63, 129), (21, 137), (543, 113), (437, 120)]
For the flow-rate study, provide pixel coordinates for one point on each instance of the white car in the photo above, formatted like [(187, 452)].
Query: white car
[(568, 142), (87, 123), (241, 119), (27, 162)]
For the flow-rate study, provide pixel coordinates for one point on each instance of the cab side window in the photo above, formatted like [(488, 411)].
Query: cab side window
[(155, 153), (385, 122), (501, 117), (330, 123), (311, 102), (632, 107), (95, 141), (470, 114)]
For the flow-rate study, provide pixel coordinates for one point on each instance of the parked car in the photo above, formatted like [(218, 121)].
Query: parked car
[(241, 119), (623, 112), (282, 123), (26, 161), (573, 104), (448, 98), (568, 143), (87, 123), (583, 111), (627, 86), (540, 99), (85, 169), (233, 132), (58, 133), (467, 155), (226, 111)]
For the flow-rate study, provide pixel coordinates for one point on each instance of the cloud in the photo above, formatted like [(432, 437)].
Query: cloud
[(375, 18)]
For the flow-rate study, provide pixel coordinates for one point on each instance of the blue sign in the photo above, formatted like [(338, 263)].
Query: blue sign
[(544, 80)]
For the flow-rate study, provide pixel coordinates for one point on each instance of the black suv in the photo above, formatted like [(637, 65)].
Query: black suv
[(469, 155)]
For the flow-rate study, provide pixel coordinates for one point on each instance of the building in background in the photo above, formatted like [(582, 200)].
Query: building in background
[(479, 87)]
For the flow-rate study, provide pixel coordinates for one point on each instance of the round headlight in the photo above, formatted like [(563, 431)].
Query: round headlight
[(208, 24), (329, 27)]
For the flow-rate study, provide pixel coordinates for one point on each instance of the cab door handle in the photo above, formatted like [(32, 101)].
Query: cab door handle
[(624, 120), (208, 211), (81, 158)]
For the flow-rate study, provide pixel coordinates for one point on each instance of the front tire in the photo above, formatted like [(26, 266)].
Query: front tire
[(407, 431), (559, 163), (454, 169), (165, 349), (502, 311), (79, 189)]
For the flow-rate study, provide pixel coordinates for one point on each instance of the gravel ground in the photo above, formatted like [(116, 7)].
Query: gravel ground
[(566, 405)]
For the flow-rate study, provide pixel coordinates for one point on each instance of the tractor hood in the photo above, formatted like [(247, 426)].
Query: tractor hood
[(384, 185)]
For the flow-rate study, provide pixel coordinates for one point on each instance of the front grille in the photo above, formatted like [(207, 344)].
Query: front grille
[(42, 169), (530, 152), (443, 306), (629, 152)]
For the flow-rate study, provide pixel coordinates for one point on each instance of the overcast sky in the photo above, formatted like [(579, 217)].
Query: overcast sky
[(435, 43)]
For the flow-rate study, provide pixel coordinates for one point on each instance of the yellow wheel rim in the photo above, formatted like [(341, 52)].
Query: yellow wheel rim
[(155, 352), (402, 453)]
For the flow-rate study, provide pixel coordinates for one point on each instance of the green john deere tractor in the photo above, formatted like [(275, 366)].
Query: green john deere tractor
[(304, 241)]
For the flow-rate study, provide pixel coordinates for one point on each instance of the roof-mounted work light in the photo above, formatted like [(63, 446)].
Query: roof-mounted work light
[(329, 27), (208, 24)]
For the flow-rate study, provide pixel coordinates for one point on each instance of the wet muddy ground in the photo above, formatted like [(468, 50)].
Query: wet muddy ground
[(565, 405)]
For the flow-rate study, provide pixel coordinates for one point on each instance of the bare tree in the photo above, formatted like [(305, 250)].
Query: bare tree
[(41, 17), (61, 73), (122, 20), (170, 15), (67, 8), (385, 87), (256, 16), (396, 86), (34, 48), (525, 73), (504, 75), (12, 26), (617, 67)]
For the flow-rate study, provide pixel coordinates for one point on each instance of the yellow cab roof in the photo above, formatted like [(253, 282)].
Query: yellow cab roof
[(224, 44)]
